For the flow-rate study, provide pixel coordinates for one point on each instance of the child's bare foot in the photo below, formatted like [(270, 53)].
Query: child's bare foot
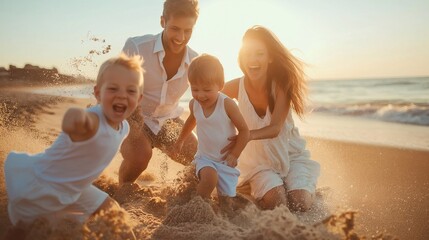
[(226, 206), (131, 191), (240, 201), (15, 233)]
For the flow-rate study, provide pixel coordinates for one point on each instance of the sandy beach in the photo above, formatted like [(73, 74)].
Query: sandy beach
[(386, 184)]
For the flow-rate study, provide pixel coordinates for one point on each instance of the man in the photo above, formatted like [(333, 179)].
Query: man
[(166, 60)]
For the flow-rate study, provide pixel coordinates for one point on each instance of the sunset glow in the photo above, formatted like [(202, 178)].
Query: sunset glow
[(336, 39)]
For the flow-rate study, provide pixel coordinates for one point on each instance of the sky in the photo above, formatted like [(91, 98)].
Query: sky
[(336, 39)]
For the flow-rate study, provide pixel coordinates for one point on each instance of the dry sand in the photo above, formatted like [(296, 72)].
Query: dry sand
[(388, 187)]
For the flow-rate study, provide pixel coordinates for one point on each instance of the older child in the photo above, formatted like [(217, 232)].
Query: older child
[(217, 117), (57, 183)]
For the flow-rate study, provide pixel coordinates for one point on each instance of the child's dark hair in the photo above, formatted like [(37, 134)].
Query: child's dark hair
[(207, 69), (180, 8)]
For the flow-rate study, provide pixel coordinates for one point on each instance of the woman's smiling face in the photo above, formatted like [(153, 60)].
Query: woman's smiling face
[(255, 59)]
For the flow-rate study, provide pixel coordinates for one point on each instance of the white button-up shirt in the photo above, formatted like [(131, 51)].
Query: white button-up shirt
[(160, 97)]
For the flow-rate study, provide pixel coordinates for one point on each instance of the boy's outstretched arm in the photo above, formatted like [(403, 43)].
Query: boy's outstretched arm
[(186, 129), (243, 131), (79, 124)]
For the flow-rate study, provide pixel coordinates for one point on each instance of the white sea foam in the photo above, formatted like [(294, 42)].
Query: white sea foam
[(400, 100), (400, 113)]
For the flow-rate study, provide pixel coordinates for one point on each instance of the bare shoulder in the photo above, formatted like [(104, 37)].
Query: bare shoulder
[(229, 101), (191, 103), (231, 88), (191, 106), (230, 106)]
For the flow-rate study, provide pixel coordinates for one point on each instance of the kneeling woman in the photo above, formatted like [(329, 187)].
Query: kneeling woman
[(274, 166)]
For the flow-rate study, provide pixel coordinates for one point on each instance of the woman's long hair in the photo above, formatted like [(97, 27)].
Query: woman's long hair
[(285, 69)]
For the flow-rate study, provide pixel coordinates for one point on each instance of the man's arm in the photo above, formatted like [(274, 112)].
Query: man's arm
[(187, 127)]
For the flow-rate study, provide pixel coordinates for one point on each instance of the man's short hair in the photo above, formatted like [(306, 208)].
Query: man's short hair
[(180, 8)]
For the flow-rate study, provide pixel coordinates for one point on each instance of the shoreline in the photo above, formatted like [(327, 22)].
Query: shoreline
[(364, 131), (321, 125)]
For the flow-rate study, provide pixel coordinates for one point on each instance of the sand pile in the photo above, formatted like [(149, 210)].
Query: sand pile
[(174, 212)]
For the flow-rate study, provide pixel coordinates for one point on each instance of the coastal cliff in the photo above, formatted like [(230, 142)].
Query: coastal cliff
[(31, 75)]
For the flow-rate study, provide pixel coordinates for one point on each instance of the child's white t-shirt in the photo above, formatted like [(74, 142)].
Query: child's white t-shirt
[(213, 131), (75, 165)]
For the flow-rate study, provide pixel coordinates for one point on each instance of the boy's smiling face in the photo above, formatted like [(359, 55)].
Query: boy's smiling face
[(205, 93), (118, 94)]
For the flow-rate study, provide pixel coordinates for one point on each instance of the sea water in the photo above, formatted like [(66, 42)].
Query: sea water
[(400, 100), (75, 91)]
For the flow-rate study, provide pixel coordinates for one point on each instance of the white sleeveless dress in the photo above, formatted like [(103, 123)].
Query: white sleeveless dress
[(57, 183), (284, 155)]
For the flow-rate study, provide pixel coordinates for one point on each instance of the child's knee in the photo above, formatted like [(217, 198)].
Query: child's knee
[(300, 200), (208, 175), (273, 198)]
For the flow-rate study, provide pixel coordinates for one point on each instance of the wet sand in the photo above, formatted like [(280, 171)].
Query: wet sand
[(386, 186), (389, 187)]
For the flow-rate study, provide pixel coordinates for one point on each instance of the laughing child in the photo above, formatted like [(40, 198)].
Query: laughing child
[(216, 117), (57, 183)]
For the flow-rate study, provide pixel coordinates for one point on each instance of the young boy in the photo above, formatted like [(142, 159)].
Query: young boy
[(217, 117), (57, 183)]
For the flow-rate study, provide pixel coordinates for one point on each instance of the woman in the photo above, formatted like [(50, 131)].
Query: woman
[(274, 166)]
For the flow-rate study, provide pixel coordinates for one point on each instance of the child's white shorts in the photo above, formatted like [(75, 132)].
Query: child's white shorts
[(31, 197), (227, 176)]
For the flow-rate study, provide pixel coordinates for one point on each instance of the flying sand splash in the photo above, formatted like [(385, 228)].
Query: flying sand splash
[(99, 47)]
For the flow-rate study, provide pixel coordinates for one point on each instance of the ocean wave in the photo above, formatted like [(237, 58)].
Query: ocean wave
[(409, 113)]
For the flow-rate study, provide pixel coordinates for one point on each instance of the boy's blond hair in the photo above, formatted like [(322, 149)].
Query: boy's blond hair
[(133, 63), (206, 69)]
